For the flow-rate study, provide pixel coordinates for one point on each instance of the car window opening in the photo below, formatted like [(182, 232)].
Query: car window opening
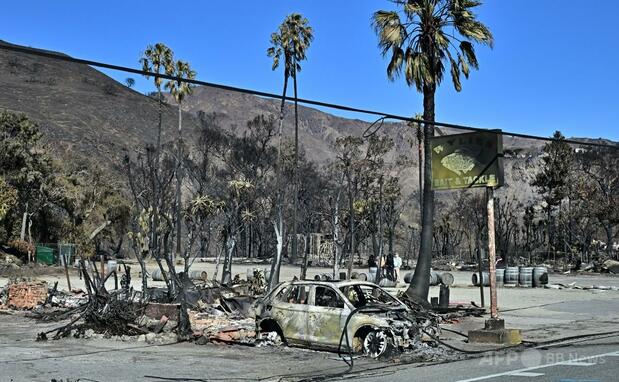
[(327, 297), (362, 295)]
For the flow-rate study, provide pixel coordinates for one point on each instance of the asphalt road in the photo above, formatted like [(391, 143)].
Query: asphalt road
[(23, 359)]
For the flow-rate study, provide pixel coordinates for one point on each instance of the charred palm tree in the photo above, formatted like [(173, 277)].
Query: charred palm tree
[(179, 90), (289, 43)]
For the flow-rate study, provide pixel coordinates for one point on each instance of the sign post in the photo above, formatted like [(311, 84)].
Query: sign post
[(476, 160), (472, 160), (492, 254)]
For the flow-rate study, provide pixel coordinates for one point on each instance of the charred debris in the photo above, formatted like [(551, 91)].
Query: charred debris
[(224, 314)]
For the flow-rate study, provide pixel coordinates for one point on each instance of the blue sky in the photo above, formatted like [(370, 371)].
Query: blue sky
[(553, 67)]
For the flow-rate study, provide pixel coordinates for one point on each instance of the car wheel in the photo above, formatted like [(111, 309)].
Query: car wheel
[(271, 338), (376, 343)]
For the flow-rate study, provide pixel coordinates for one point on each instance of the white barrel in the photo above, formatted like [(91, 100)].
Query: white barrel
[(198, 275), (540, 276), (447, 278), (387, 283), (156, 275), (111, 266), (511, 276), (525, 277), (500, 276), (485, 278), (372, 274), (435, 278), (408, 277)]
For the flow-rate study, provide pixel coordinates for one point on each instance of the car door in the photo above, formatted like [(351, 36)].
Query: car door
[(291, 313), (327, 315)]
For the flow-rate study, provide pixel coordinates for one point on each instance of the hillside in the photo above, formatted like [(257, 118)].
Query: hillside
[(82, 112)]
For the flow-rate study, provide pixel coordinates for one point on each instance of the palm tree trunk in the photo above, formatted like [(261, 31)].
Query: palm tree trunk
[(277, 260), (380, 218), (179, 178), (336, 237), (226, 276), (295, 244), (279, 223), (352, 227), (420, 284), (154, 173), (420, 160)]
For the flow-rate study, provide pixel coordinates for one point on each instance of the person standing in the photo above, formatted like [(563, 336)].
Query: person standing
[(397, 263), (372, 268), (390, 267)]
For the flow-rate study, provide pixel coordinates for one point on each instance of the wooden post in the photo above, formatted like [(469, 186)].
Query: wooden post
[(481, 279), (492, 253), (66, 269), (102, 269)]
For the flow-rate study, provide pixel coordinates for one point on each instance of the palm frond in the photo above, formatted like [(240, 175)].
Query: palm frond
[(389, 29), (420, 27), (455, 72), (395, 65), (469, 52), (463, 65), (291, 41)]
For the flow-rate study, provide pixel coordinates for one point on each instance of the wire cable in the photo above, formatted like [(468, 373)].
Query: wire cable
[(62, 57)]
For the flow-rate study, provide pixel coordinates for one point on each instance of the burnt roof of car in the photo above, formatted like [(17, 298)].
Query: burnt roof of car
[(336, 284)]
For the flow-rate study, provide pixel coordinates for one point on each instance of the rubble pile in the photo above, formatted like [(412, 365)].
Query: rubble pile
[(573, 285), (611, 266), (26, 294), (216, 326), (427, 321), (9, 262), (226, 315), (255, 285), (217, 313)]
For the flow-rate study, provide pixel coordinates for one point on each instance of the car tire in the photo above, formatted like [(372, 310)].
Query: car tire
[(273, 338), (377, 343)]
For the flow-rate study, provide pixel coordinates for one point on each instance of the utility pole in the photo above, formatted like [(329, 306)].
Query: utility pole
[(481, 277), (491, 254)]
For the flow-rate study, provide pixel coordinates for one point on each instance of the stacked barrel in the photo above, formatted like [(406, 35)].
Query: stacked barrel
[(525, 277)]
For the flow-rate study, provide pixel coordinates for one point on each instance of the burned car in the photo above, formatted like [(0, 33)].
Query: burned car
[(345, 316)]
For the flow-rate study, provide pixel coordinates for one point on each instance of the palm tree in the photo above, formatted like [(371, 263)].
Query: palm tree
[(156, 59), (290, 42), (420, 37), (179, 90)]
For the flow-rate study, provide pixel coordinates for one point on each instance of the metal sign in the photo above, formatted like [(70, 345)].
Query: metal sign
[(467, 160)]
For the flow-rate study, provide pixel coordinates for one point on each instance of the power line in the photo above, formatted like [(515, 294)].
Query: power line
[(62, 57)]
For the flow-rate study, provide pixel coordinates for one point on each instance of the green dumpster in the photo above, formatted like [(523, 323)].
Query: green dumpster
[(45, 255)]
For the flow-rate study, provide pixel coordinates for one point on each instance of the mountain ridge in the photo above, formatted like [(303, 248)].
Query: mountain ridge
[(83, 112)]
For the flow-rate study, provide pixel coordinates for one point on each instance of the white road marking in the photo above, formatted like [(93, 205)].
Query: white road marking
[(611, 354), (573, 363), (525, 374)]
